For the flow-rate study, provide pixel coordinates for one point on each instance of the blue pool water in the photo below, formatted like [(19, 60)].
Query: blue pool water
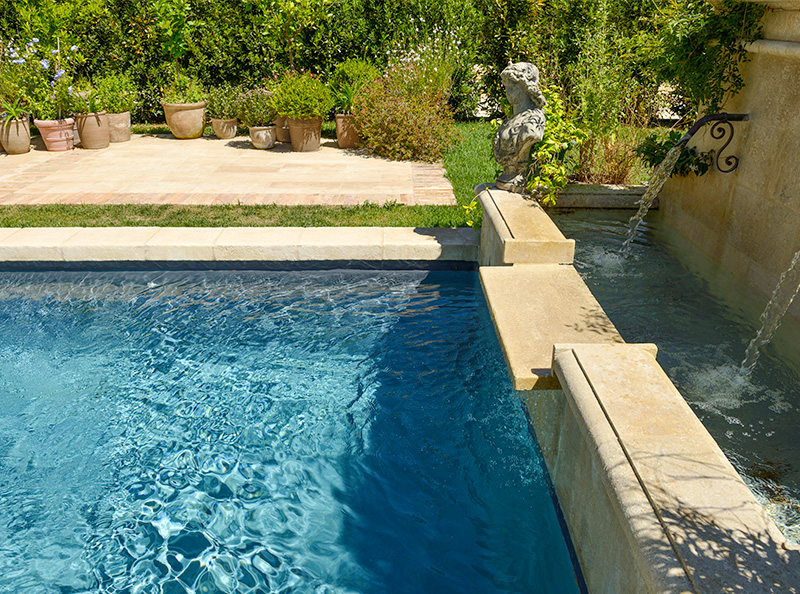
[(702, 319), (254, 432)]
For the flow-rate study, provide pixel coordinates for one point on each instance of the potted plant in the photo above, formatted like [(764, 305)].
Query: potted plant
[(347, 81), (257, 113), (184, 107), (52, 123), (91, 119), (304, 100), (223, 103), (117, 93), (15, 128), (20, 77)]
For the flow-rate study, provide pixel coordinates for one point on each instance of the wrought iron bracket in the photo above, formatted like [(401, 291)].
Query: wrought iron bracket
[(722, 127)]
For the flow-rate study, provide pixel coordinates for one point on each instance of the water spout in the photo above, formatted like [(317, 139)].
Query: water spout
[(664, 169), (781, 299)]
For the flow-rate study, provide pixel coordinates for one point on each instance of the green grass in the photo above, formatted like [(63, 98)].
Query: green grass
[(468, 164)]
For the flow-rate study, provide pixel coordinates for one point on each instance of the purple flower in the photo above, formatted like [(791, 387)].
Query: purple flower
[(45, 64), (18, 61), (59, 73), (53, 52), (74, 48), (35, 40)]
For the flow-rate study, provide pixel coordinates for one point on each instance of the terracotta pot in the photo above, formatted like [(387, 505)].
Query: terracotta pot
[(15, 136), (346, 133), (185, 120), (119, 126), (305, 134), (263, 137), (56, 134), (93, 130), (282, 123), (224, 129)]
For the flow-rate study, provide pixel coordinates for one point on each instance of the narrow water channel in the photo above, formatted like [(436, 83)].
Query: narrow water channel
[(702, 319)]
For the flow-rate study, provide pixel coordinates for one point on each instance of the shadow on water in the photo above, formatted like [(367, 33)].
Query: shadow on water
[(450, 493)]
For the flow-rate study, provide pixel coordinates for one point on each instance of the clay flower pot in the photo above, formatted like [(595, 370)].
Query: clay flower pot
[(346, 133), (93, 130), (263, 137), (15, 136), (224, 129), (185, 120), (282, 123), (119, 126), (56, 134), (305, 134)]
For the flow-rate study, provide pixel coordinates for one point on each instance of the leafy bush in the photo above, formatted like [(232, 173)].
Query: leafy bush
[(117, 93), (347, 81), (404, 115), (548, 170), (255, 108), (223, 101), (86, 100), (653, 150), (302, 96), (183, 89)]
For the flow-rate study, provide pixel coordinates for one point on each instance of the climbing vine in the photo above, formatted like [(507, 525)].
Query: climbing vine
[(702, 46)]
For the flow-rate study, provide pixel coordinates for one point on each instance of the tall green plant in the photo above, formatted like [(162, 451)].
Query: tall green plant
[(175, 27), (288, 19)]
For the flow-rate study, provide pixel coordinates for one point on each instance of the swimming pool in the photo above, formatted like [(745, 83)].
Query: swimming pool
[(702, 319), (223, 431)]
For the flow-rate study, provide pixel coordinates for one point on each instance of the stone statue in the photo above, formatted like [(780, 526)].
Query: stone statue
[(514, 139)]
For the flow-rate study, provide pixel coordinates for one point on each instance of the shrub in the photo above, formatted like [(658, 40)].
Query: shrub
[(87, 100), (403, 115), (653, 149), (183, 89), (255, 108), (117, 93), (223, 101), (302, 96)]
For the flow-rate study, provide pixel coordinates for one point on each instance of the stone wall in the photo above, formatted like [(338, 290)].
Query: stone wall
[(749, 220)]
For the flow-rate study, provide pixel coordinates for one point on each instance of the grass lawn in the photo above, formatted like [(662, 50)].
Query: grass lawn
[(468, 164)]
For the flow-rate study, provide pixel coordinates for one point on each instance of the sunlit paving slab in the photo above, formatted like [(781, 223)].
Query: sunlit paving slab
[(157, 169)]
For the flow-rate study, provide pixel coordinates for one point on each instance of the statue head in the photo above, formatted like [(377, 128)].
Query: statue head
[(521, 81)]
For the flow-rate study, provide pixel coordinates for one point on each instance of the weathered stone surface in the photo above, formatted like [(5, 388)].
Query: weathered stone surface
[(519, 231), (601, 196), (514, 139), (535, 306)]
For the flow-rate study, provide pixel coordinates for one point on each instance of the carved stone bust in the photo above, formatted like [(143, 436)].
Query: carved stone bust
[(514, 139)]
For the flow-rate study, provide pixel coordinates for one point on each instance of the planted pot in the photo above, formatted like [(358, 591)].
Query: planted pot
[(119, 126), (56, 134), (224, 129), (263, 137), (346, 133), (15, 136), (305, 134), (93, 130), (282, 124), (185, 120)]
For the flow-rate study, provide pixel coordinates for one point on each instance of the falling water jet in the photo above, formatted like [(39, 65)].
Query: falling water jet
[(664, 169), (782, 297)]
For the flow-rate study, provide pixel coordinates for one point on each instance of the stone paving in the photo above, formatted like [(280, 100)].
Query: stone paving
[(157, 169)]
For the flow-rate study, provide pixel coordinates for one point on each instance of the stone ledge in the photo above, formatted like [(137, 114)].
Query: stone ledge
[(294, 244), (535, 306), (601, 196), (519, 231), (713, 535)]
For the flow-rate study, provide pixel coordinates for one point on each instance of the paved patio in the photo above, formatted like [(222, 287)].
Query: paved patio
[(157, 169)]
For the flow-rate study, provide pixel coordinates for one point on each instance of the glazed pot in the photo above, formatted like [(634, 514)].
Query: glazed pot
[(346, 133), (306, 134), (93, 130), (185, 120), (56, 134), (282, 123), (224, 129), (15, 136), (263, 137), (119, 126)]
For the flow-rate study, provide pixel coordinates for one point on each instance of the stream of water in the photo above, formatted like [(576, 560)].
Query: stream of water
[(660, 176)]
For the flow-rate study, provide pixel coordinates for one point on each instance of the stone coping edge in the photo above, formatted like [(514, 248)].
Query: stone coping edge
[(237, 244)]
